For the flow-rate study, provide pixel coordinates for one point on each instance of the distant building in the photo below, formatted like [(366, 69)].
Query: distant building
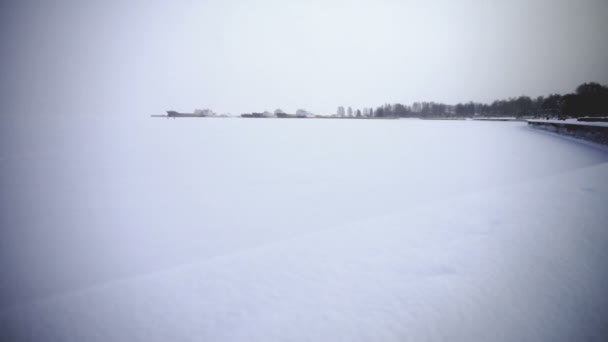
[(302, 113), (265, 114), (204, 112)]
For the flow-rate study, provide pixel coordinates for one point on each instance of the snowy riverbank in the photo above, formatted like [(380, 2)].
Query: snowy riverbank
[(596, 132)]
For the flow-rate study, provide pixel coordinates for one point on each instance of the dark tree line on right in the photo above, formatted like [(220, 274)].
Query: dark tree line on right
[(589, 99)]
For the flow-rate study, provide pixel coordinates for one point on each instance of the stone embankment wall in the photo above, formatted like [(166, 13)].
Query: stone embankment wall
[(594, 133)]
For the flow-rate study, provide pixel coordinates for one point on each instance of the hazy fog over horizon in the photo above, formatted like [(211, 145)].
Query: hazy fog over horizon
[(119, 58)]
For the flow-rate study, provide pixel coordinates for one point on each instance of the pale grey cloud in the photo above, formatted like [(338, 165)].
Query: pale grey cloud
[(234, 56)]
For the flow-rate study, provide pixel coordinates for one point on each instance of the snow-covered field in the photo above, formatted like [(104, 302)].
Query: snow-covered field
[(300, 230)]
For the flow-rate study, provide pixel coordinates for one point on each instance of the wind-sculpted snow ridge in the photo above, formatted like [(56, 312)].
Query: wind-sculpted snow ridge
[(523, 262)]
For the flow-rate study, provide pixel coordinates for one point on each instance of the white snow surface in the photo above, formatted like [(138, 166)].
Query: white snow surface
[(294, 230)]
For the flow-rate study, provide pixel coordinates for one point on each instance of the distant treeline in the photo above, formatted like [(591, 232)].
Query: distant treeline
[(589, 99)]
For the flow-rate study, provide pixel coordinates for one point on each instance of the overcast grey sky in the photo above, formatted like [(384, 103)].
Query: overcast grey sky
[(143, 57)]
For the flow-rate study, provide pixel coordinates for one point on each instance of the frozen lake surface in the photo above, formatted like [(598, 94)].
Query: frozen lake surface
[(234, 229)]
